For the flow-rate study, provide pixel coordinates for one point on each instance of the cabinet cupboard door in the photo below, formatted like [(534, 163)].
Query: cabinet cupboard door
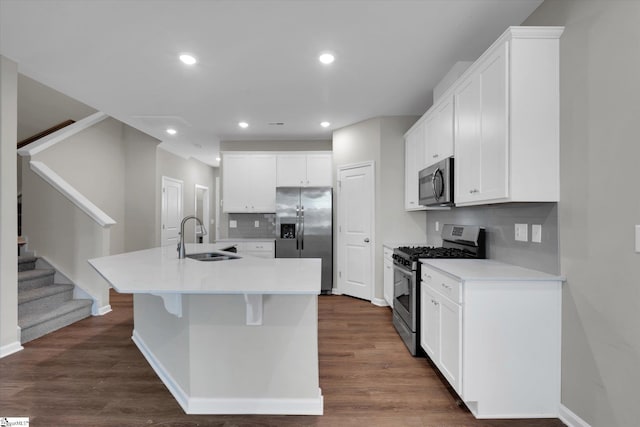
[(482, 132), (467, 166), (443, 130), (494, 126), (388, 282), (451, 342), (263, 183), (235, 183), (291, 170), (249, 183), (413, 158), (305, 170), (319, 170), (430, 322)]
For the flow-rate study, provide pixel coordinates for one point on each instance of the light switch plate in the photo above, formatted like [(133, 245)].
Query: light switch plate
[(256, 224), (233, 223), (536, 233), (638, 239), (437, 225), (521, 233)]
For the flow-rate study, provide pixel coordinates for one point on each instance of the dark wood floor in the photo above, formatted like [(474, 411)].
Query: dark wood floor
[(91, 374)]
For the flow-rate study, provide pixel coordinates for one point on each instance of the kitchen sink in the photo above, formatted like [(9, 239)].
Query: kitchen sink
[(211, 256)]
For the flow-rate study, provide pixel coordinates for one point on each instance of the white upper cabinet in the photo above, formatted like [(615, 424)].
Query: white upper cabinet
[(507, 121), (439, 131), (249, 182), (413, 162), (481, 138), (304, 170)]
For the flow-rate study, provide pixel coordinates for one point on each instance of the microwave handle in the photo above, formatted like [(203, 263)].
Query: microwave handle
[(433, 184)]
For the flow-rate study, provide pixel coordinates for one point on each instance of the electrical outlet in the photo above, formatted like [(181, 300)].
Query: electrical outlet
[(437, 225), (536, 233), (233, 223), (521, 232), (256, 224)]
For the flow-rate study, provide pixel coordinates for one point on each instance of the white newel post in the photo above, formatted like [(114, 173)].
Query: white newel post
[(9, 333)]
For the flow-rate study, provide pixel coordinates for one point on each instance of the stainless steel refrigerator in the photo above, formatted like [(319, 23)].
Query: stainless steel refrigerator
[(304, 227)]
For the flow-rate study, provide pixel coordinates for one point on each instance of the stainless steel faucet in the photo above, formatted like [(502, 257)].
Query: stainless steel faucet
[(181, 252)]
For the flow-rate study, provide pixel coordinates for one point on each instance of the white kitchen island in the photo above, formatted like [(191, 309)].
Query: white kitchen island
[(226, 337)]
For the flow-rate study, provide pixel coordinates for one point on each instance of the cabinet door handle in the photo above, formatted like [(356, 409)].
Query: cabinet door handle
[(435, 156)]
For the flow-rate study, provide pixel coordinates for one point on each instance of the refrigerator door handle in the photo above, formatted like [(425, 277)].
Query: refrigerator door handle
[(302, 228), (297, 227)]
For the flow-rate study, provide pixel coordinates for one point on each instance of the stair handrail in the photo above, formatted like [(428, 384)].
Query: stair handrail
[(62, 134), (45, 132), (74, 196)]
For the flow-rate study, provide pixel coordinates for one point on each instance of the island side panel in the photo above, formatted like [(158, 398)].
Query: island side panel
[(276, 360), (164, 340)]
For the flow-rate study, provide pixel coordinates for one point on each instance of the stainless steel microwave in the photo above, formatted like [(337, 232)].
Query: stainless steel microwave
[(435, 184)]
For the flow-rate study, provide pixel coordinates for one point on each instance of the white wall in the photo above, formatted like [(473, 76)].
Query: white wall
[(93, 162), (9, 337), (599, 206), (380, 140), (141, 196)]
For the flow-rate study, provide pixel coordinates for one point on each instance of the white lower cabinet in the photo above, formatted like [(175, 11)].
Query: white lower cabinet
[(441, 330), (260, 249), (388, 275), (256, 248), (493, 330)]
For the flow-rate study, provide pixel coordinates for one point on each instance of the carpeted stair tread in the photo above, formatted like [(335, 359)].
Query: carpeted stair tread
[(68, 307), (26, 258), (35, 278), (35, 273), (26, 262), (28, 295)]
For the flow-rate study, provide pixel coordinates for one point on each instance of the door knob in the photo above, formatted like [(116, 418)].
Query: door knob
[(366, 240)]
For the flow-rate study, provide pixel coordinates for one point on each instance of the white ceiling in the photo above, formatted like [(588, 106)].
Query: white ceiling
[(257, 60)]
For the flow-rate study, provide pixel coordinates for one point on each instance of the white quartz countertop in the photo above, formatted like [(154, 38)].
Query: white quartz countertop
[(486, 269), (159, 270)]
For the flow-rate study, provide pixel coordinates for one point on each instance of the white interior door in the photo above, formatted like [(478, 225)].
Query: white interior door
[(355, 230), (171, 211), (202, 211)]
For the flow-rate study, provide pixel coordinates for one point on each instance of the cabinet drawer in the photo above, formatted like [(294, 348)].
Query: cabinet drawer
[(442, 283), (258, 246)]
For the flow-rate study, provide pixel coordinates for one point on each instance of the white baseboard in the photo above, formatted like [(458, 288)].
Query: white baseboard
[(100, 311), (230, 406), (335, 291), (8, 349), (569, 418), (380, 302)]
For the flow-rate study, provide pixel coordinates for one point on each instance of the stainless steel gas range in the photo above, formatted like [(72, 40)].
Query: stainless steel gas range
[(458, 241)]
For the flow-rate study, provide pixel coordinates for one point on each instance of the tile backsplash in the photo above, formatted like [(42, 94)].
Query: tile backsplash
[(499, 221), (245, 225)]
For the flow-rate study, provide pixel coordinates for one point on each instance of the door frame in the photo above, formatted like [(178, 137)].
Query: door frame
[(340, 239), (206, 211), (163, 213)]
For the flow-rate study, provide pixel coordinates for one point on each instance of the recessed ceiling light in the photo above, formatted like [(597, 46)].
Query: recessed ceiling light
[(172, 131), (243, 125), (326, 58), (325, 124), (187, 59), (218, 159)]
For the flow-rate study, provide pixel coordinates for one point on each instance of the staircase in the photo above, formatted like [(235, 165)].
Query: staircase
[(43, 305)]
